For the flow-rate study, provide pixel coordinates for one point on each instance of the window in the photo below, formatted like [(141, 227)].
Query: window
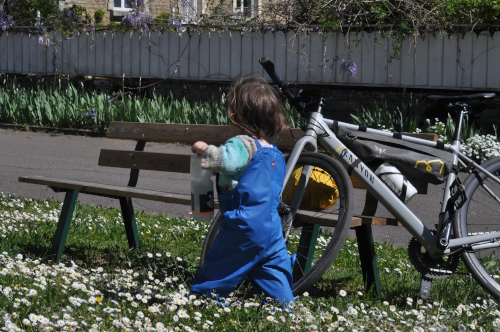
[(123, 4)]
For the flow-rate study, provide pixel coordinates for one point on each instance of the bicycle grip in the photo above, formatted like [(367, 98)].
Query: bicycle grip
[(269, 68)]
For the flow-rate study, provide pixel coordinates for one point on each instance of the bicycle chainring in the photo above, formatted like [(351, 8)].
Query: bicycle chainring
[(429, 268)]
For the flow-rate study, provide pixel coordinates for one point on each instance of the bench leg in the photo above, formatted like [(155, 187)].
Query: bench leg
[(63, 224), (364, 235), (368, 258), (305, 252), (129, 221)]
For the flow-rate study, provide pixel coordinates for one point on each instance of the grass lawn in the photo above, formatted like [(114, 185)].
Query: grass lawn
[(101, 285)]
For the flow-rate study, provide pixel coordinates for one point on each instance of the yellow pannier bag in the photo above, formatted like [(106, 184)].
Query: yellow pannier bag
[(321, 192)]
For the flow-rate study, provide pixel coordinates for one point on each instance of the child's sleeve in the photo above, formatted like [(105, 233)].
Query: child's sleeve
[(230, 158)]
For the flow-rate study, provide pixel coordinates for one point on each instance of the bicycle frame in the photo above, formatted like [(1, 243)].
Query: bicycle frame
[(319, 129)]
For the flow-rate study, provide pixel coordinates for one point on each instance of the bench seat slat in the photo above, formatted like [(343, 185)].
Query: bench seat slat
[(111, 190), (152, 161)]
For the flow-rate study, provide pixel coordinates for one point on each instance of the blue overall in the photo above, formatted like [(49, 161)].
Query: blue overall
[(250, 241)]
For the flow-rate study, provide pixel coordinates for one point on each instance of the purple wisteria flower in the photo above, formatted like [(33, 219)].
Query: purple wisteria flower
[(138, 19), (349, 66), (44, 41), (6, 21)]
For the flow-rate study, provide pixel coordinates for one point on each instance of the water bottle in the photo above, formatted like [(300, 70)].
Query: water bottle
[(396, 181), (202, 191)]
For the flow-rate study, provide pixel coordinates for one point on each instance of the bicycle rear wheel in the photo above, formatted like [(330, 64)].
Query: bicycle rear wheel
[(481, 214)]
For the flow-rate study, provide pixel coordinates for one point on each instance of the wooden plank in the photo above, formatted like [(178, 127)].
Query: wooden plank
[(215, 50), (126, 53), (42, 59), (108, 53), (408, 61), (341, 53), (355, 53), (393, 65), (169, 132), (422, 61), (493, 56), (269, 49), (235, 54), (204, 54), (184, 55), (33, 65), (304, 57), (91, 52), (18, 53), (4, 37), (144, 54), (153, 161), (66, 56), (380, 48), (450, 65), (154, 54), (366, 66), (118, 57), (225, 55), (135, 55), (194, 55), (480, 59), (26, 53), (82, 50), (164, 50), (328, 59), (174, 55), (246, 53), (280, 54), (57, 56), (109, 190), (465, 60), (74, 55), (292, 57), (11, 52), (99, 54), (316, 58), (436, 59), (257, 52), (51, 54)]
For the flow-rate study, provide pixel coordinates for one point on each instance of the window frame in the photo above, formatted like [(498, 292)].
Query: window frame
[(123, 4)]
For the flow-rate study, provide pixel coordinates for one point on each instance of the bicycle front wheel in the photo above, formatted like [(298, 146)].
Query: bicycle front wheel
[(481, 214), (318, 230)]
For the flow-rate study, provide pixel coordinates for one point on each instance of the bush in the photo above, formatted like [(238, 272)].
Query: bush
[(99, 15), (24, 11)]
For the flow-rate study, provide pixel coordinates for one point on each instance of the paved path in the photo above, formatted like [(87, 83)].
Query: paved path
[(75, 157)]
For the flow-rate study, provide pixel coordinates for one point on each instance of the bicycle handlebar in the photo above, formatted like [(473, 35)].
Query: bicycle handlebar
[(294, 100)]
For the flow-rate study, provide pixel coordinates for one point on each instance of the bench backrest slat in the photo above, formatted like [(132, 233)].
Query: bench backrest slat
[(185, 133), (152, 161)]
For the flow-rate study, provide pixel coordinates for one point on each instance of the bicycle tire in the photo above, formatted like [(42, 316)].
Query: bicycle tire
[(324, 254), (478, 215)]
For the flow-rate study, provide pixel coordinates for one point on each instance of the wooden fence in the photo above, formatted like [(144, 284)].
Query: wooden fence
[(431, 61)]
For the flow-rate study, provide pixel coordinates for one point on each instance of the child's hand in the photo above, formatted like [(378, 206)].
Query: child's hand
[(199, 147)]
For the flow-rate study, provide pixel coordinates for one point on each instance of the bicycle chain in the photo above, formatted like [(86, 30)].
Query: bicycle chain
[(431, 268)]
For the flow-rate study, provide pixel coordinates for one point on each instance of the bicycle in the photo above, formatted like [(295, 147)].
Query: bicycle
[(461, 231)]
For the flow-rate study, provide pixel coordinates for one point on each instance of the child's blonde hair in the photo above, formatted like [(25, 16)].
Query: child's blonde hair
[(255, 106)]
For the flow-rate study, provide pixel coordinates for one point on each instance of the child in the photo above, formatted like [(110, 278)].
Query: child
[(250, 178)]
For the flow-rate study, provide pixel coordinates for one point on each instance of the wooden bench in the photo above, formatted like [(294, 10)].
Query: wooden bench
[(138, 159)]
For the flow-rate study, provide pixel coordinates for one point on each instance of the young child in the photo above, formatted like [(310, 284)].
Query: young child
[(250, 178)]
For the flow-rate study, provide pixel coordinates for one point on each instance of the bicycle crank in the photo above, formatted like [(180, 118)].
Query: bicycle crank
[(428, 267)]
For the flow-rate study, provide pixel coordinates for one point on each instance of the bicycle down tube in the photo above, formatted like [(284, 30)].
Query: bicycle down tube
[(321, 130)]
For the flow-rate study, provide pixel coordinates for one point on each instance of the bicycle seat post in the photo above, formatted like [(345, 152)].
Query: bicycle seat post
[(464, 109)]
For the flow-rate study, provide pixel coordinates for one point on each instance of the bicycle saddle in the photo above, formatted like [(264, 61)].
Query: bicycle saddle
[(452, 99)]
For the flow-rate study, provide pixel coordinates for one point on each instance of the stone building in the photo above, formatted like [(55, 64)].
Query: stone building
[(193, 9)]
